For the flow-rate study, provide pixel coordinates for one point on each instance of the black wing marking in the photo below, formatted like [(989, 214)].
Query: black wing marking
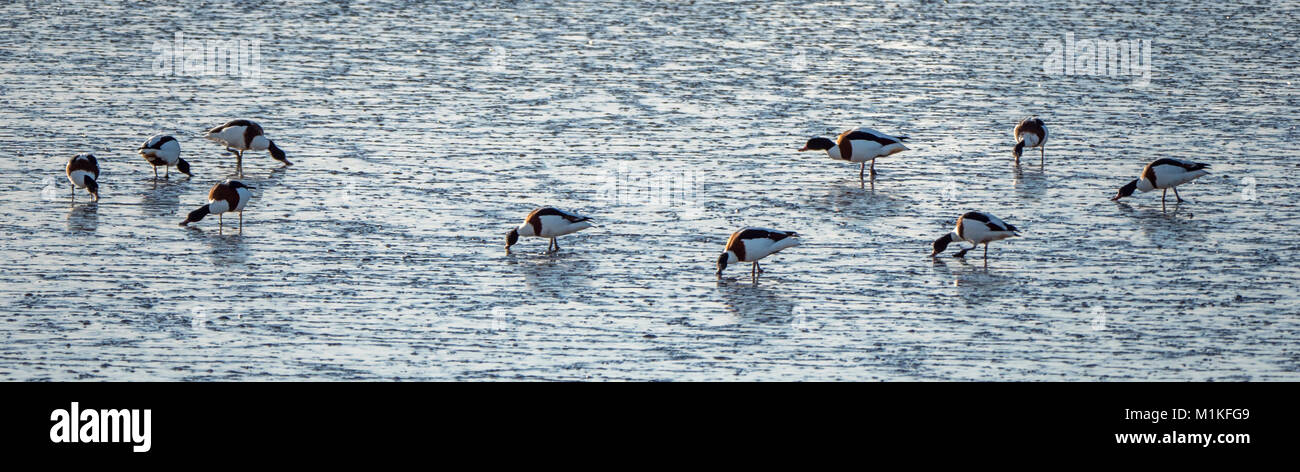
[(865, 136)]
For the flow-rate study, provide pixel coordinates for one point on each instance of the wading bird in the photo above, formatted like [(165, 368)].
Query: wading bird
[(858, 145), (83, 172), (243, 135), (226, 196), (164, 151), (976, 228), (752, 244), (1030, 133), (1163, 174), (547, 222)]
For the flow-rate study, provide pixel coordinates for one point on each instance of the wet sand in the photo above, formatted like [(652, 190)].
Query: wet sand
[(422, 134)]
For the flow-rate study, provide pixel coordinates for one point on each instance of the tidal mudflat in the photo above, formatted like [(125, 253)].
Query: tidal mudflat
[(422, 133)]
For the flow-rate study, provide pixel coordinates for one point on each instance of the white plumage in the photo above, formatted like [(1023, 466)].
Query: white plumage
[(162, 150), (976, 228), (548, 222), (752, 244), (1164, 174), (244, 135), (859, 145)]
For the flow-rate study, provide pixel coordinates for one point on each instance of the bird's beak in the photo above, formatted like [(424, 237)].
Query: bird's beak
[(802, 149)]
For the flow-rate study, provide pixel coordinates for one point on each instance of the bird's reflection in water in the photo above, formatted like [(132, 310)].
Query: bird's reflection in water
[(84, 217), (165, 198), (1031, 183), (555, 275), (225, 248), (973, 280), (755, 303), (1173, 223)]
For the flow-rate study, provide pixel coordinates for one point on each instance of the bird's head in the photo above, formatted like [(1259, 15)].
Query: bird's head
[(277, 153), (93, 187), (817, 144), (511, 239), (941, 244), (1125, 191)]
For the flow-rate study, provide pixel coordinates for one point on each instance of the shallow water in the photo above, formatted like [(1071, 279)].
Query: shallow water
[(421, 134)]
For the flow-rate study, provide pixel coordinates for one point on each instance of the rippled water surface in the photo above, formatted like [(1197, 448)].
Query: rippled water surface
[(422, 133)]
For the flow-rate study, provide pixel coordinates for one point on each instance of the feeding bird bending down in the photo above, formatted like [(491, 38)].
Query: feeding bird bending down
[(244, 135), (858, 145), (547, 222), (164, 151), (752, 244)]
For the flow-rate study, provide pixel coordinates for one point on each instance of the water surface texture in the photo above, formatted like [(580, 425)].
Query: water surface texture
[(422, 133)]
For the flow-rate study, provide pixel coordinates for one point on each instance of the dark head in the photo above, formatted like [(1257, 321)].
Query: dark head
[(1125, 191), (817, 144), (722, 263), (184, 167), (238, 184), (511, 238), (1019, 149), (277, 153), (93, 187), (196, 215), (941, 244)]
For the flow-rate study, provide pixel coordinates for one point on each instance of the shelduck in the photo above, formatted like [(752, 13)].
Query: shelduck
[(976, 228), (165, 151), (752, 244), (858, 145), (548, 222), (226, 196), (83, 172), (1030, 133), (1163, 174), (244, 135)]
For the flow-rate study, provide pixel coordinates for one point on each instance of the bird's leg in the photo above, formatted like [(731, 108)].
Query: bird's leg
[(862, 170), (155, 172), (986, 253), (1180, 199), (760, 268), (1042, 155), (167, 172), (753, 271), (556, 243), (239, 163), (241, 224), (873, 169), (1162, 198)]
